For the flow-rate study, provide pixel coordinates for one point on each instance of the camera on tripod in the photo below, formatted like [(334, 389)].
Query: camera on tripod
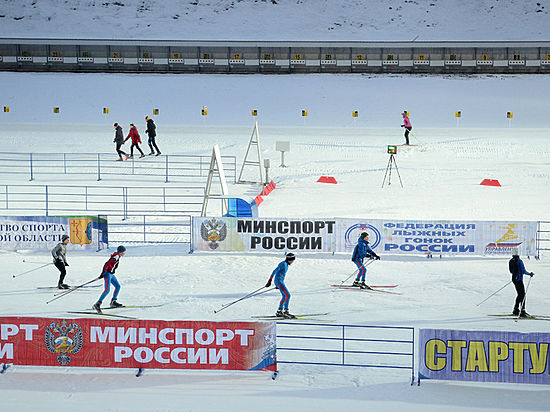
[(392, 150)]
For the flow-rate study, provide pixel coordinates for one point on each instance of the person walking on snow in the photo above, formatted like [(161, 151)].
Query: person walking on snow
[(407, 125), (108, 275), (361, 251), (133, 133), (151, 132), (119, 140), (517, 269), (278, 276), (59, 254)]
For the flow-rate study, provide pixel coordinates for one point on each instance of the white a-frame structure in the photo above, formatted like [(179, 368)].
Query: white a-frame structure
[(216, 168), (254, 141)]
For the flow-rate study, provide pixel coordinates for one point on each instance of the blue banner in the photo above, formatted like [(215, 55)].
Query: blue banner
[(484, 356)]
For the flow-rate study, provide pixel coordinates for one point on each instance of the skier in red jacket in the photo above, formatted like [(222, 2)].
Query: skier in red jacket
[(133, 133), (108, 275)]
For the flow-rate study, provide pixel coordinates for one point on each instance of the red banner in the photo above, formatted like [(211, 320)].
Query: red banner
[(152, 344)]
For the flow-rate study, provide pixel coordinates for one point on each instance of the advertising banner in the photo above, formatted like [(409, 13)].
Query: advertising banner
[(153, 344), (484, 356), (44, 232), (479, 238)]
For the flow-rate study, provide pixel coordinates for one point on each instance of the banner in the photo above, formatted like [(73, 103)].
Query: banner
[(153, 344), (44, 232), (484, 356), (478, 238)]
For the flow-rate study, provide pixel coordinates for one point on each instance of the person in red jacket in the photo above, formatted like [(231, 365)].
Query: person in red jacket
[(108, 275), (133, 133)]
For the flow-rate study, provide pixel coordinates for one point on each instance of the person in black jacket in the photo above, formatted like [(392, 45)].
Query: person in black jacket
[(517, 269), (59, 253), (119, 140), (151, 132)]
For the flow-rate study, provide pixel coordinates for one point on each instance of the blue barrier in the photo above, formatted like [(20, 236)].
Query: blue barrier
[(101, 165), (364, 346)]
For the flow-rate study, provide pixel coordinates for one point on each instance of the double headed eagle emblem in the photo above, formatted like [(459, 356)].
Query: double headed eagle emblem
[(63, 338), (213, 231)]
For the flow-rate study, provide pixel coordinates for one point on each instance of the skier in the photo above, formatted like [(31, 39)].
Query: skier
[(151, 132), (361, 251), (134, 134), (119, 140), (59, 254), (108, 274), (517, 269), (407, 125), (279, 274)]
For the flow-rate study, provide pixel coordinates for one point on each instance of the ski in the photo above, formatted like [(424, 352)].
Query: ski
[(374, 289), (372, 286), (133, 307), (101, 314), (297, 316), (70, 287), (532, 317)]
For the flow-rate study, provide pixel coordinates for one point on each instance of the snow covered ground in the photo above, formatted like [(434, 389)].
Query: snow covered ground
[(361, 20), (441, 176)]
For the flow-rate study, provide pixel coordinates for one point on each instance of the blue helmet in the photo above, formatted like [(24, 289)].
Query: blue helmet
[(120, 249)]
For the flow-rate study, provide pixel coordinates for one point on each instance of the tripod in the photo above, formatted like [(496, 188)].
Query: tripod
[(391, 162)]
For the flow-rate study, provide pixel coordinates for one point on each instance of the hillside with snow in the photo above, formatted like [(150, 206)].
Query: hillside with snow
[(359, 20)]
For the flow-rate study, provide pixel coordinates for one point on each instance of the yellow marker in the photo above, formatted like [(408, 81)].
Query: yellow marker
[(254, 112), (204, 111), (6, 109), (176, 56), (155, 111), (56, 109), (355, 113), (421, 57), (484, 57), (304, 113), (509, 115), (105, 110), (359, 57), (458, 114)]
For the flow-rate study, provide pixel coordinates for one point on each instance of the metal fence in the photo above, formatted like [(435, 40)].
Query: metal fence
[(126, 201), (146, 229), (167, 168), (543, 237), (346, 345)]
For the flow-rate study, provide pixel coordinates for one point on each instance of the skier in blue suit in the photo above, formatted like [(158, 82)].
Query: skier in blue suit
[(361, 251), (278, 276)]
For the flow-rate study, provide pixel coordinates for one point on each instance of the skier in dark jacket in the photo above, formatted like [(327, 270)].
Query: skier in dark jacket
[(517, 269), (134, 135), (279, 274), (151, 132), (361, 251), (119, 140), (108, 275), (59, 254)]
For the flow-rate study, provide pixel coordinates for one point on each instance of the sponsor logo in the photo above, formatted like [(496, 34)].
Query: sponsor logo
[(353, 233), (63, 338), (213, 231), (506, 243)]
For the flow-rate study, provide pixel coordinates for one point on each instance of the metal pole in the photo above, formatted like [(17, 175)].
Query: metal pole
[(343, 342), (164, 198), (65, 163), (30, 159)]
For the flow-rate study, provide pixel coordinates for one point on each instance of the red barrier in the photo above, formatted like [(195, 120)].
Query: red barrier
[(490, 182), (258, 199), (327, 179), (154, 344), (268, 189)]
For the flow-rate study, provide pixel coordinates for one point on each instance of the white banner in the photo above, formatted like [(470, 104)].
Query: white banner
[(44, 232), (477, 238)]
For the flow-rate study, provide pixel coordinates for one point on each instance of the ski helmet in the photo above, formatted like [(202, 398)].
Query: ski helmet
[(290, 257), (120, 249)]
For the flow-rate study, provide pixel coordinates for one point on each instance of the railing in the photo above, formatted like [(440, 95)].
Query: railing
[(346, 345), (127, 201), (168, 168), (543, 237), (173, 229)]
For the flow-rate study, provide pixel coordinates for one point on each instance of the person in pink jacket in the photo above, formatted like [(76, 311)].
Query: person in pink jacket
[(407, 125)]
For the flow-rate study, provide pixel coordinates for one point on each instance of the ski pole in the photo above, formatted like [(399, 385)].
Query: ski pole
[(72, 290), (355, 271), (32, 270), (250, 295), (494, 294), (525, 297)]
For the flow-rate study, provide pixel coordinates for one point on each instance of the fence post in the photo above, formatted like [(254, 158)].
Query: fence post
[(98, 168), (30, 163), (46, 200), (65, 163), (343, 343), (412, 351), (166, 181)]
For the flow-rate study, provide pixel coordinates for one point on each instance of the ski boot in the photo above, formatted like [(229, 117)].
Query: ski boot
[(119, 159), (97, 307), (356, 283), (279, 313), (363, 285), (115, 304), (515, 312), (128, 156), (142, 155), (61, 285), (158, 154), (524, 314), (288, 315)]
